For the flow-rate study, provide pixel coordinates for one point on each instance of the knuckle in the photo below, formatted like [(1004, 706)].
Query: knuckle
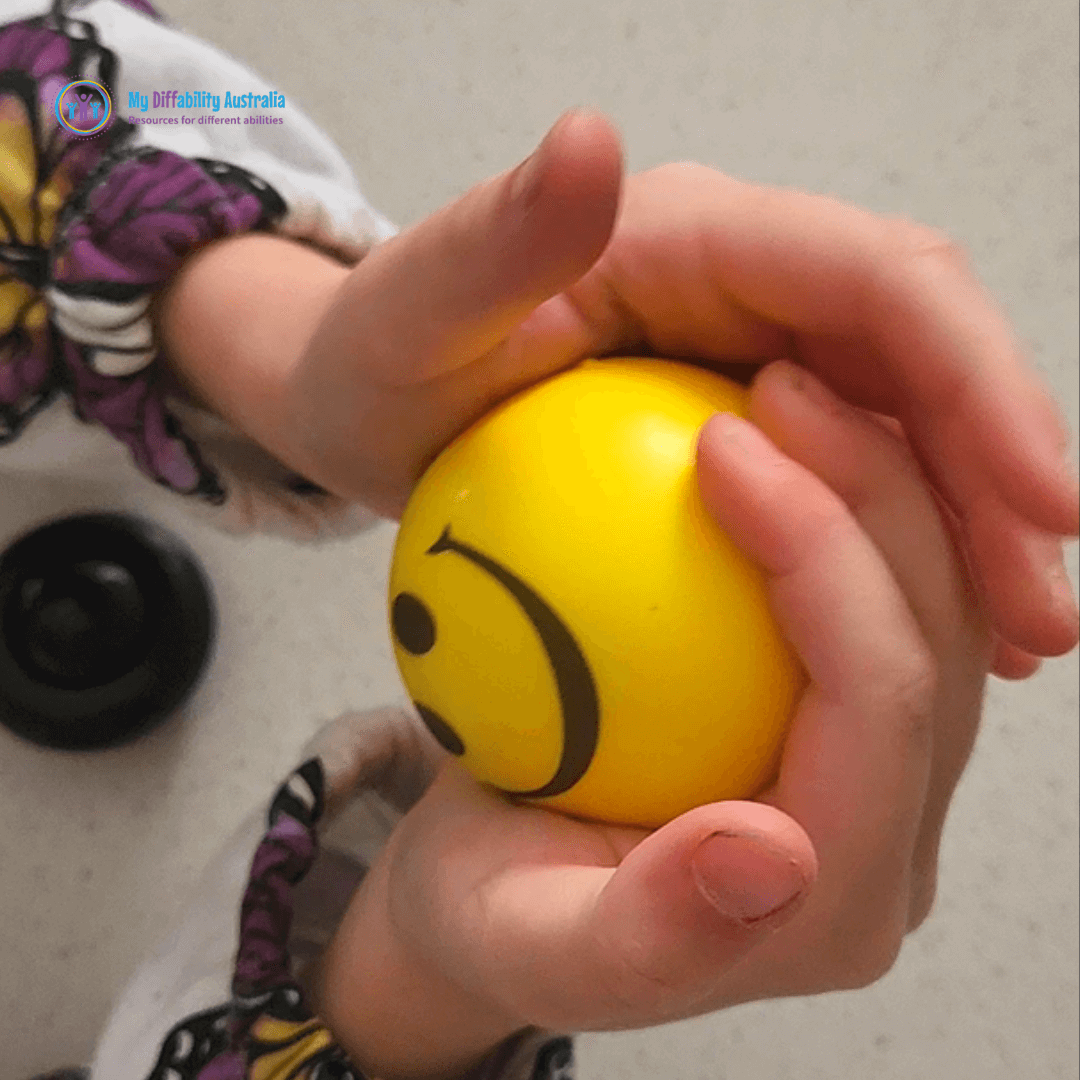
[(635, 985), (916, 688), (914, 240), (906, 685)]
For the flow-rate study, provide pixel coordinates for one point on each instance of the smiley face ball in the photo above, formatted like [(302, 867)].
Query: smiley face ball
[(570, 621)]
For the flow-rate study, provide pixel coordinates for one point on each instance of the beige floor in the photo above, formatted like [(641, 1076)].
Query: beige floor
[(961, 113)]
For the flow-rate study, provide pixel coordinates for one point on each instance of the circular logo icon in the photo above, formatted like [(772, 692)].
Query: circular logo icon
[(83, 107)]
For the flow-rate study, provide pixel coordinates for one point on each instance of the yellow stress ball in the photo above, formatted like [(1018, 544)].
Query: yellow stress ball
[(568, 618)]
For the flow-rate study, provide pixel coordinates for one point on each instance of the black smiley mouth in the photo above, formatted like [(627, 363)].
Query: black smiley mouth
[(415, 630)]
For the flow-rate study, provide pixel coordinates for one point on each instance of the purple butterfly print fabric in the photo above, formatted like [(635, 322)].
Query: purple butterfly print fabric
[(91, 229), (45, 164), (282, 859), (118, 244), (134, 412), (135, 226), (267, 1029)]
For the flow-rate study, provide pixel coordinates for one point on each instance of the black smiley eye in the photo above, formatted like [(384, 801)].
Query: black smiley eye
[(413, 625)]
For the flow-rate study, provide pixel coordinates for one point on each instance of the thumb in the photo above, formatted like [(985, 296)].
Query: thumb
[(649, 942), (453, 286)]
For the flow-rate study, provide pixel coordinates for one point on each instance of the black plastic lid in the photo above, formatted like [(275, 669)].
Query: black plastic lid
[(106, 624)]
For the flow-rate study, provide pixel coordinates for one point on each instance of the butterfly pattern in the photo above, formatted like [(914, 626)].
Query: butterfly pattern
[(91, 229)]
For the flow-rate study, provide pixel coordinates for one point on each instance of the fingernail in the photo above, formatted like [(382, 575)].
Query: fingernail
[(794, 374), (803, 382), (746, 880), (736, 432), (746, 440), (527, 175)]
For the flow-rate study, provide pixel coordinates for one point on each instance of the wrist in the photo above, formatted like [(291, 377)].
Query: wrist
[(390, 1008), (234, 324)]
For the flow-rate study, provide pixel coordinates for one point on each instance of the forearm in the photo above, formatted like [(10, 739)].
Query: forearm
[(395, 1015), (234, 324)]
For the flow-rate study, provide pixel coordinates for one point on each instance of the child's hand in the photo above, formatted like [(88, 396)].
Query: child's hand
[(359, 379), (482, 917)]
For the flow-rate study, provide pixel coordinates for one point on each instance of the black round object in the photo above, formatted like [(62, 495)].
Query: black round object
[(106, 624)]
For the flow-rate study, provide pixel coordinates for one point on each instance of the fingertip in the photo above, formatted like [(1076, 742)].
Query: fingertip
[(587, 126), (716, 876), (755, 822), (769, 505), (1040, 628), (751, 862), (1013, 664), (726, 450), (730, 441), (1028, 458), (579, 160), (1028, 593), (711, 456), (569, 192), (778, 376)]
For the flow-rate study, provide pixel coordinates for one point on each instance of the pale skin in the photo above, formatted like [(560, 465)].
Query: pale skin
[(922, 456)]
